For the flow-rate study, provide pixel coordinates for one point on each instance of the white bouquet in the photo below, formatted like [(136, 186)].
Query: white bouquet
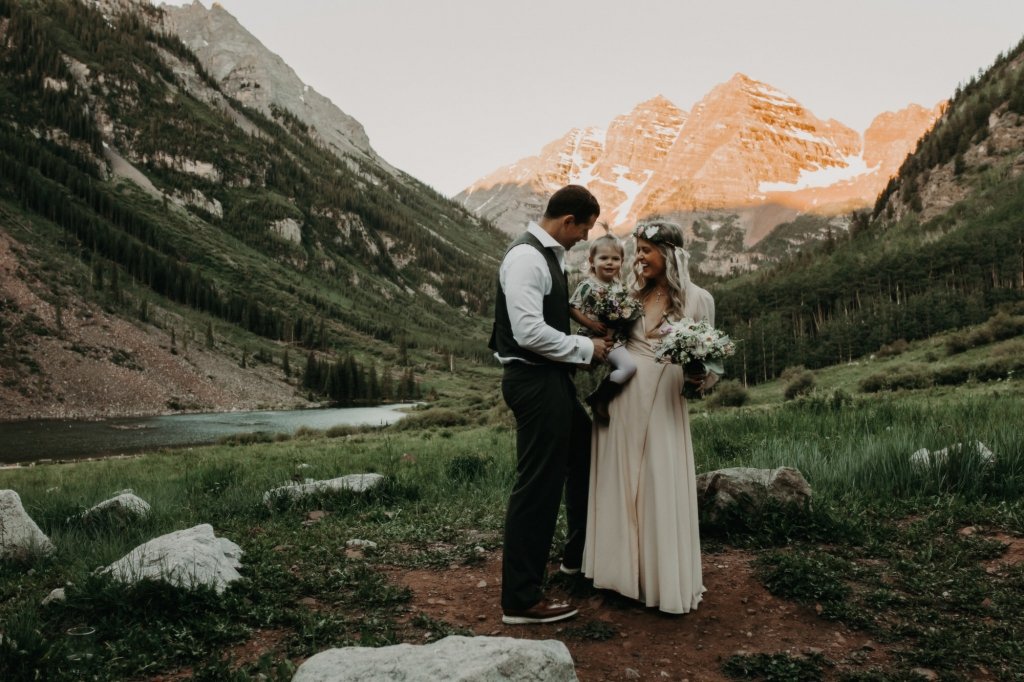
[(697, 346)]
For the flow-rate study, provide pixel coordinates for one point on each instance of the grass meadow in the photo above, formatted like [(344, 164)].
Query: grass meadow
[(883, 548)]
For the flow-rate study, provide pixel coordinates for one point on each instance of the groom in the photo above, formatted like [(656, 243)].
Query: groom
[(532, 341)]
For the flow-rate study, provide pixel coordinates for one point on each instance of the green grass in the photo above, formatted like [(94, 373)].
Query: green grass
[(879, 550)]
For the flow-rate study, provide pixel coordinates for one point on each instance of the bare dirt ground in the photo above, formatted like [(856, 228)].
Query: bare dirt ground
[(737, 615)]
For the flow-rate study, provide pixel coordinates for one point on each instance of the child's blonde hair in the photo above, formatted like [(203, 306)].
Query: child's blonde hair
[(608, 239)]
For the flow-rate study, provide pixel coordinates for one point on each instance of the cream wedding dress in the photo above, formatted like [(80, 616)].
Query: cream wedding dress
[(642, 535)]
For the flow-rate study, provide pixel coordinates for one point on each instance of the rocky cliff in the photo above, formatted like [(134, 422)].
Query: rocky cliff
[(248, 72)]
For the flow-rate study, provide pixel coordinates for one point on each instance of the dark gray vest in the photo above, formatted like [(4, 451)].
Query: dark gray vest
[(555, 307)]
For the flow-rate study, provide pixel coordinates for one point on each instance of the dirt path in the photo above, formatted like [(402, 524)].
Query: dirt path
[(737, 614)]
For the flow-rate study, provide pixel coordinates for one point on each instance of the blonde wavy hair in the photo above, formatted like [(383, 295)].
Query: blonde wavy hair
[(667, 238)]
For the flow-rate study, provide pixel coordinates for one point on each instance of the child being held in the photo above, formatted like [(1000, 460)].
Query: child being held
[(605, 259)]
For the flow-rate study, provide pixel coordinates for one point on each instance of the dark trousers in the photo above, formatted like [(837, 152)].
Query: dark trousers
[(553, 450)]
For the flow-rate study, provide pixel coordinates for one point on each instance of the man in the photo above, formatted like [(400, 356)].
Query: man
[(531, 339)]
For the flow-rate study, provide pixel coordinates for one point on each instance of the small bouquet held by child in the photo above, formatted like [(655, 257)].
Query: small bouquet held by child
[(614, 305), (697, 346)]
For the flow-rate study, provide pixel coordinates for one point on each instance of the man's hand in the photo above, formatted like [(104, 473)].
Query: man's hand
[(601, 348)]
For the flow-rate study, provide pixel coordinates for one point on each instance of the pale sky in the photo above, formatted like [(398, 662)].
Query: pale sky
[(451, 90)]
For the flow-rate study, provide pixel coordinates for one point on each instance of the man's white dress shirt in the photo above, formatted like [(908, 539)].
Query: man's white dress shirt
[(526, 280)]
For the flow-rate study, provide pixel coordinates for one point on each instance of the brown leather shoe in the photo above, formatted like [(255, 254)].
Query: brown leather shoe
[(543, 611)]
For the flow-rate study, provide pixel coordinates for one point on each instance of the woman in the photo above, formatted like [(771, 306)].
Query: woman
[(642, 536)]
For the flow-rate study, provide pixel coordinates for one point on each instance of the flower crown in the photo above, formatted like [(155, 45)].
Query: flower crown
[(657, 233)]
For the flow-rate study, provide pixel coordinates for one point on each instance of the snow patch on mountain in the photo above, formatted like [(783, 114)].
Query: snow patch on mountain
[(822, 177)]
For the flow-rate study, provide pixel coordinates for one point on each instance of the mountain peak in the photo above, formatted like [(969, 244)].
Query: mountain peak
[(248, 71)]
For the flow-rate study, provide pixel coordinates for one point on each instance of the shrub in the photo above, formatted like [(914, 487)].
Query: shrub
[(729, 394), (906, 378), (951, 375), (791, 372), (246, 438), (1012, 349), (872, 384), (957, 343), (897, 347), (435, 416), (801, 384), (1003, 326), (994, 370), (910, 378), (979, 337)]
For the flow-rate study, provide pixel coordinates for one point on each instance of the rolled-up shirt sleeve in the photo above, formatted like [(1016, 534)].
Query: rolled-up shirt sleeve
[(525, 279)]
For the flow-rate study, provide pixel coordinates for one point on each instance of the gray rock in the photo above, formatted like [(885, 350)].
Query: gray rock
[(925, 458), (355, 482), (56, 595), (125, 505), (19, 534), (454, 658), (726, 488), (186, 557)]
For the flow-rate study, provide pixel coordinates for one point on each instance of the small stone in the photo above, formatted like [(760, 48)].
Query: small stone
[(632, 674), (751, 612), (363, 544), (750, 634), (308, 601), (281, 548), (813, 651), (482, 583), (481, 618), (818, 609), (316, 515), (56, 595), (968, 531), (479, 551), (744, 600), (840, 638), (700, 647), (926, 673)]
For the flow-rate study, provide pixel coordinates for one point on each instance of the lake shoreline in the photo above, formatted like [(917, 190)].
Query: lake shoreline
[(71, 440)]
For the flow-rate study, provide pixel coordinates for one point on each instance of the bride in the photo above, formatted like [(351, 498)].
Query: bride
[(642, 536)]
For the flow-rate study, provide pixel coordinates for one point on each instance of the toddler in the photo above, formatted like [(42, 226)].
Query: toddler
[(605, 259)]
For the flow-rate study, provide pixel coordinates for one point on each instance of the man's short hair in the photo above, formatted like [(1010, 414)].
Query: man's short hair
[(575, 200)]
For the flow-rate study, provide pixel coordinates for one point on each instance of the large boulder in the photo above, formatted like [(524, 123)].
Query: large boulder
[(354, 482), (188, 558), (726, 489), (19, 534), (454, 658)]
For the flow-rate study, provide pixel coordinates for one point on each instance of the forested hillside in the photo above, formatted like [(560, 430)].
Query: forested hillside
[(943, 248), (168, 195)]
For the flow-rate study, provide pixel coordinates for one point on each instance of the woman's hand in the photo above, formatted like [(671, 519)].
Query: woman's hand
[(597, 327)]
